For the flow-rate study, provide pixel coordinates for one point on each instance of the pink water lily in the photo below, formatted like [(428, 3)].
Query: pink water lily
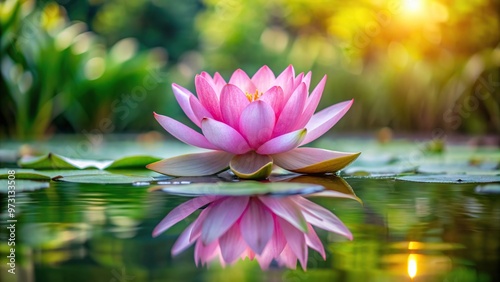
[(253, 123), (256, 227)]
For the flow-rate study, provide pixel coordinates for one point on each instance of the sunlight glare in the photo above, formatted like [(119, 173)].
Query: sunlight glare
[(412, 265), (413, 6)]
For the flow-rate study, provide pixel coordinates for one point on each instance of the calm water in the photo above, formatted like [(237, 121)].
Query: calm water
[(77, 232)]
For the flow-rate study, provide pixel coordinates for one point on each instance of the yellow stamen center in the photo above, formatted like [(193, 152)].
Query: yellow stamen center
[(254, 96)]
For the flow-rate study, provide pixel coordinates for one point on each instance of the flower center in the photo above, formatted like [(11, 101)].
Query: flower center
[(254, 96)]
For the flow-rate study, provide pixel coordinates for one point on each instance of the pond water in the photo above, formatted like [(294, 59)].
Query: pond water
[(91, 232), (402, 231)]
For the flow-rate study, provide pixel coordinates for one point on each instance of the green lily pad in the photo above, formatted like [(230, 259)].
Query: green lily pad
[(241, 188), (450, 178), (24, 174), (22, 185), (384, 170), (54, 161), (106, 178), (459, 168)]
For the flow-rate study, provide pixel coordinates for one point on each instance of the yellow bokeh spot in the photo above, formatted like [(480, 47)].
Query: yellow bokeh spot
[(253, 97), (412, 266), (413, 6)]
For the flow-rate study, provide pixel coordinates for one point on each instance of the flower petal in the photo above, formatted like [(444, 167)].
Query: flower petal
[(207, 96), (204, 253), (251, 165), (285, 81), (180, 212), (288, 117), (312, 104), (313, 241), (183, 242), (257, 226), (322, 218), (287, 209), (183, 133), (223, 215), (232, 244), (312, 160), (183, 97), (224, 136), (193, 164), (263, 79), (219, 82), (232, 103), (295, 240), (241, 80), (199, 110), (322, 121), (275, 98), (283, 143), (257, 123)]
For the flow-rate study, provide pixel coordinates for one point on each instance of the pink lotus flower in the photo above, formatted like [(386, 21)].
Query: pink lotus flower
[(258, 227), (253, 123)]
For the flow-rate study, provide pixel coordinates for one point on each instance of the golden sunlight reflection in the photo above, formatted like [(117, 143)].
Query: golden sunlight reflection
[(412, 265), (413, 6)]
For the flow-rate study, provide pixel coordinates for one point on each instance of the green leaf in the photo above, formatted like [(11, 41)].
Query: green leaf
[(450, 178), (20, 173), (54, 161), (242, 188), (21, 185), (106, 178)]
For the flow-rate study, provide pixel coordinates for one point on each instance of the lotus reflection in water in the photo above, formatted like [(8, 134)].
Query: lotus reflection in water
[(264, 228)]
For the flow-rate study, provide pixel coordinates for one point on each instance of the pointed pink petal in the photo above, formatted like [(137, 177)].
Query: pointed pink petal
[(299, 158), (183, 133), (275, 98), (208, 97), (183, 242), (180, 212), (313, 241), (263, 79), (322, 218), (283, 143), (223, 215), (287, 209), (193, 164), (224, 136), (204, 253), (183, 96), (312, 104), (322, 121), (287, 258), (298, 80), (219, 82), (241, 79), (257, 123), (232, 103), (198, 223), (295, 240), (307, 80), (199, 110), (232, 244), (257, 226), (285, 80), (292, 109)]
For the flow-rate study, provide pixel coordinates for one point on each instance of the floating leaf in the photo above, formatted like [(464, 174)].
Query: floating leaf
[(384, 170), (54, 161), (241, 188), (106, 178), (450, 178), (22, 185), (24, 174), (487, 168)]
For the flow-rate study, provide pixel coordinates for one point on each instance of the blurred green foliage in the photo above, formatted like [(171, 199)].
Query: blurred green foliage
[(411, 65)]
